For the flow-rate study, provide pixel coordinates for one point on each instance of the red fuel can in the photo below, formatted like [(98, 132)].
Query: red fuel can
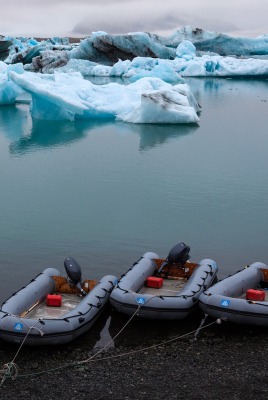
[(154, 282), (53, 300), (253, 294)]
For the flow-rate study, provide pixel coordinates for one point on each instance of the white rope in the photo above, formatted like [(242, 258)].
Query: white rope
[(91, 359), (10, 370), (112, 340), (201, 324)]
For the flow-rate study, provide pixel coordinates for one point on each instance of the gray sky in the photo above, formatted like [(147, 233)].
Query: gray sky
[(46, 18)]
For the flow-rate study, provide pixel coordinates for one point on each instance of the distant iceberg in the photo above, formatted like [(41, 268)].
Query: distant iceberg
[(69, 96), (23, 50), (187, 52), (107, 49), (220, 43), (152, 67), (186, 63)]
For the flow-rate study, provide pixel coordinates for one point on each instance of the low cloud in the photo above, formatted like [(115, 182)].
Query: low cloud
[(81, 17)]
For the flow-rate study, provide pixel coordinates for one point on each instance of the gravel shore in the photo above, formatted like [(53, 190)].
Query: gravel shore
[(225, 361)]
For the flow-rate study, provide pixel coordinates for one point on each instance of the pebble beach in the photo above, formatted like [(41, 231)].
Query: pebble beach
[(219, 361)]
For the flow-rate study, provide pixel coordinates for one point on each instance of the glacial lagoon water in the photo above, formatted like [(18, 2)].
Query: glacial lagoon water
[(106, 192)]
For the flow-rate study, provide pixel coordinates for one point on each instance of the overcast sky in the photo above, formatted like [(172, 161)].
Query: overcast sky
[(46, 18)]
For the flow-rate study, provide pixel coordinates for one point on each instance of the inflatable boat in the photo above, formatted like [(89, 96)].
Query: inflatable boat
[(241, 298), (52, 309), (163, 288)]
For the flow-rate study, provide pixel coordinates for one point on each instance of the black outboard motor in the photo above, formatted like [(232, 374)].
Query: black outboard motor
[(179, 254), (74, 273)]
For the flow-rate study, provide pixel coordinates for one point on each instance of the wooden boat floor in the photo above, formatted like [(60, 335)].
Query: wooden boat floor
[(170, 287), (69, 302)]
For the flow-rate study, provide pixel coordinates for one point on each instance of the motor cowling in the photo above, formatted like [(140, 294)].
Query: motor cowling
[(74, 273), (179, 254)]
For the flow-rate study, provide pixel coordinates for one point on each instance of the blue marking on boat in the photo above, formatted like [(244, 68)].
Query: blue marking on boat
[(225, 303)]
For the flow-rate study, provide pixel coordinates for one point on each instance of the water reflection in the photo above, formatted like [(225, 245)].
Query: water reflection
[(35, 135), (154, 135), (47, 134), (220, 88), (143, 331), (15, 121)]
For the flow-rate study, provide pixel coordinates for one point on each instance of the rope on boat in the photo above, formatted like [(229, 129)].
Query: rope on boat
[(11, 370)]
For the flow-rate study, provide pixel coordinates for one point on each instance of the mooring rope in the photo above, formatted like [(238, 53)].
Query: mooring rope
[(200, 327), (10, 370), (14, 373)]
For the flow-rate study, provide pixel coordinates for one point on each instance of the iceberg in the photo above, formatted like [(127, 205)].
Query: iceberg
[(220, 43), (108, 49), (187, 62), (4, 48), (171, 71), (8, 89), (25, 49), (68, 96)]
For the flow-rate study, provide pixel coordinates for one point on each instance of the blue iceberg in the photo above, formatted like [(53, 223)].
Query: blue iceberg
[(187, 62), (220, 43), (187, 52), (8, 89), (69, 96), (108, 49)]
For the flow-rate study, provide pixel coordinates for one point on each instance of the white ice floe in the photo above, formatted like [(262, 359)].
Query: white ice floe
[(69, 96)]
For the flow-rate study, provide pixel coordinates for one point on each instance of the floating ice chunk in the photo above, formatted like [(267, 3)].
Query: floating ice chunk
[(73, 65), (48, 60), (121, 68), (220, 43), (108, 49), (138, 68), (8, 89), (162, 70), (69, 96), (171, 106), (101, 70), (219, 66), (186, 50)]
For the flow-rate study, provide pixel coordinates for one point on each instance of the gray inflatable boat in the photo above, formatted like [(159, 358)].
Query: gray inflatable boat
[(166, 289), (241, 298), (52, 309)]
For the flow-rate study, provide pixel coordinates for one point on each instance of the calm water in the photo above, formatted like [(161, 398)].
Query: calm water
[(104, 193)]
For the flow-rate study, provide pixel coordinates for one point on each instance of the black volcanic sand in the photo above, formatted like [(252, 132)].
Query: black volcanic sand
[(225, 361)]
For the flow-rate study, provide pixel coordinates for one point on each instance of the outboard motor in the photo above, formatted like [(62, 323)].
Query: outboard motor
[(74, 273), (179, 254)]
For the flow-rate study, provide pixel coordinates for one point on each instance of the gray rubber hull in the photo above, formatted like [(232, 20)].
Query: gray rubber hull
[(14, 328), (227, 300), (126, 297)]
